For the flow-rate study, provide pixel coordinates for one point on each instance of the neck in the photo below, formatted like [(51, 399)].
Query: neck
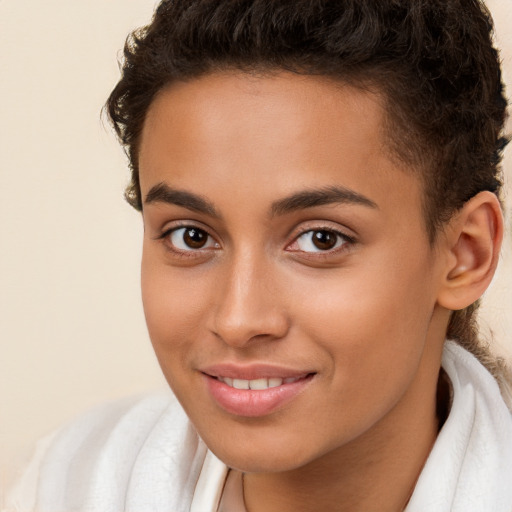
[(376, 471)]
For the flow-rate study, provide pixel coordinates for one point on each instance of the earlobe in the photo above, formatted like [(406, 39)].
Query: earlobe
[(474, 238)]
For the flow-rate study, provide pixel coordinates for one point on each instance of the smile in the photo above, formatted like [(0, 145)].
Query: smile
[(257, 384), (255, 397)]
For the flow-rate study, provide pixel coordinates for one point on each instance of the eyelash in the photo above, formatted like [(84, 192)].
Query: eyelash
[(346, 240), (187, 253)]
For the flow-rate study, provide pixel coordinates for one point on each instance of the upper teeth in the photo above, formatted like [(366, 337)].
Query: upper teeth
[(256, 383)]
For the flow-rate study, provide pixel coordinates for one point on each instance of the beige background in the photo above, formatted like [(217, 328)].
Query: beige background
[(71, 321)]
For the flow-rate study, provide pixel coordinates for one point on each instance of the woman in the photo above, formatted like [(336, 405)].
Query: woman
[(319, 185)]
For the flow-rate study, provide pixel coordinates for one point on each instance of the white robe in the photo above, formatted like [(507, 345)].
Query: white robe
[(143, 455)]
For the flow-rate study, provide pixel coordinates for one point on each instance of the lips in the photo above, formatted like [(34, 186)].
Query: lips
[(256, 390), (253, 371)]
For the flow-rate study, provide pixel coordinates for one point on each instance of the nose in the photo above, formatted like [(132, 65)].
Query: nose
[(248, 305)]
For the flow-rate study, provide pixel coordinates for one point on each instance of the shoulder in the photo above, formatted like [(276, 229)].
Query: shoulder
[(98, 461), (471, 461), (466, 372)]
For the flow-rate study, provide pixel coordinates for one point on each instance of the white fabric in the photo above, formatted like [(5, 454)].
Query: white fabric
[(470, 466), (135, 456), (144, 456)]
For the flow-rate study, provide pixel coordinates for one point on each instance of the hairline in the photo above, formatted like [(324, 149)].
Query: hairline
[(361, 80)]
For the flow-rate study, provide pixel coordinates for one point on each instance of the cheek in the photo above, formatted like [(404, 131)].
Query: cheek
[(373, 325), (173, 306), (366, 304)]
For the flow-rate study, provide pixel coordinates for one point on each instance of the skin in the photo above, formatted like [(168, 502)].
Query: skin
[(365, 317)]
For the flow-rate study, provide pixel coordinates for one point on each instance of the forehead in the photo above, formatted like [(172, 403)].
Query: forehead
[(270, 135), (272, 112)]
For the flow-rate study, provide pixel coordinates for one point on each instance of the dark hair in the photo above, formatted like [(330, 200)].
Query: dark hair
[(433, 61)]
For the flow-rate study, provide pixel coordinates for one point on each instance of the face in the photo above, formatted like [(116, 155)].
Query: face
[(288, 283)]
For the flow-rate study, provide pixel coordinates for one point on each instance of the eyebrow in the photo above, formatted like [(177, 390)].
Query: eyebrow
[(162, 193), (320, 197)]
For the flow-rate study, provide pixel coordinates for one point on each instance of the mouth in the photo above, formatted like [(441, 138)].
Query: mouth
[(258, 384), (255, 397)]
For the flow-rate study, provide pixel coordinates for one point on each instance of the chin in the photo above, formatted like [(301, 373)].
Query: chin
[(263, 463), (273, 455)]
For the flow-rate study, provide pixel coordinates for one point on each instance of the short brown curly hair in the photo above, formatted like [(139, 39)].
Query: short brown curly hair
[(433, 60)]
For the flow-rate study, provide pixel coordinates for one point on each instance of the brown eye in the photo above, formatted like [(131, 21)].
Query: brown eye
[(195, 238), (320, 240), (191, 238), (324, 240)]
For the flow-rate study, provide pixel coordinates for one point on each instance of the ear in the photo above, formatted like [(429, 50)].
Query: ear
[(473, 239)]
